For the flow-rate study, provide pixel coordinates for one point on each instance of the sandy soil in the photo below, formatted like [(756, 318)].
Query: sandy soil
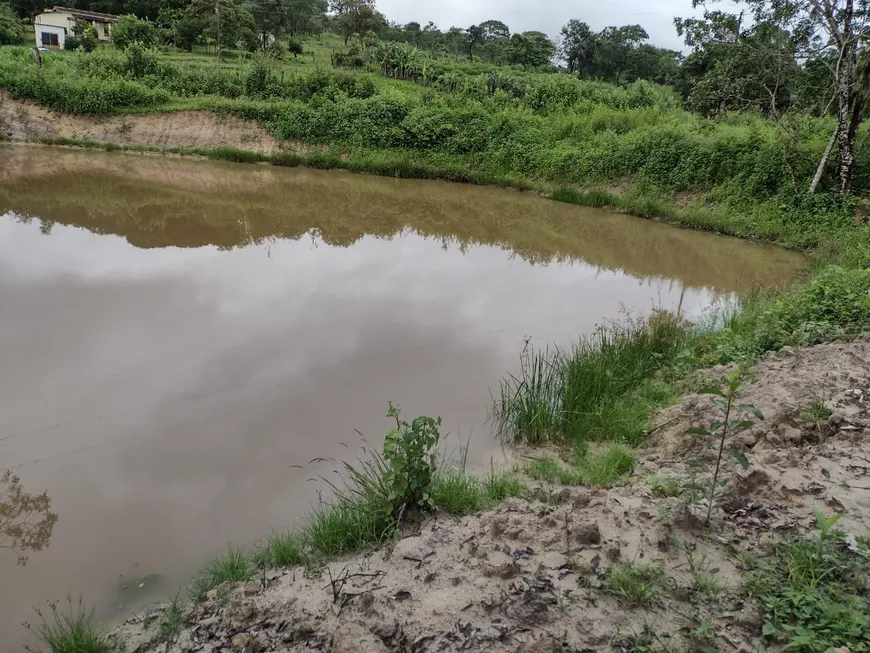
[(22, 120), (528, 576)]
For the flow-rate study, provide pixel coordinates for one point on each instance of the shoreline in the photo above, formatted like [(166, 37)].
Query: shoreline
[(29, 123)]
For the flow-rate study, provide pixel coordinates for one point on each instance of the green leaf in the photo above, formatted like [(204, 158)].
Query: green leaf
[(768, 630), (710, 390), (720, 404), (741, 458), (749, 408), (697, 430)]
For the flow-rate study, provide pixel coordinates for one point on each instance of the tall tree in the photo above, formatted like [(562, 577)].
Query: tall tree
[(530, 49), (356, 17), (578, 45), (473, 37), (11, 27), (832, 32), (613, 49)]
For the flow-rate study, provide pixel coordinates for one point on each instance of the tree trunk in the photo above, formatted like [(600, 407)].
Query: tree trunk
[(824, 162), (846, 86)]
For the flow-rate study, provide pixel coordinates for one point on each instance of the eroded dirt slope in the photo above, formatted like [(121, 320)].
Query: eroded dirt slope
[(531, 575), (21, 120)]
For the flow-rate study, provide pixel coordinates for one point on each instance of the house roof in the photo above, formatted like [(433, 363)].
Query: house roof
[(85, 15)]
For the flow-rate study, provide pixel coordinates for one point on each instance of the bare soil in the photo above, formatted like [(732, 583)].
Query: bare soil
[(531, 575), (21, 120)]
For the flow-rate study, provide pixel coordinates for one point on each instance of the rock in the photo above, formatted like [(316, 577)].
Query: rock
[(530, 609), (787, 351), (500, 565), (581, 498), (412, 547), (749, 481), (691, 518), (790, 433), (587, 533), (565, 495), (746, 440), (244, 643), (773, 458), (350, 637), (553, 560)]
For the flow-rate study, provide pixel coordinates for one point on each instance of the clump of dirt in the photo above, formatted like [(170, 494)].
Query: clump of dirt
[(21, 120), (555, 572)]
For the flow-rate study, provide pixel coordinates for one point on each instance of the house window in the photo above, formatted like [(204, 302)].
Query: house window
[(49, 39)]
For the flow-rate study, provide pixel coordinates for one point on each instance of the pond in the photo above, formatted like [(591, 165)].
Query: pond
[(177, 336)]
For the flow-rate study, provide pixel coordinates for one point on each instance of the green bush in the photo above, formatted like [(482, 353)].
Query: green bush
[(834, 304)]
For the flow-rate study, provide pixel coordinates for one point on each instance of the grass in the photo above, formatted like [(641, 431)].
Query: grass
[(635, 583), (813, 594), (602, 389), (605, 467), (460, 493), (280, 550), (665, 486), (233, 566), (816, 412), (170, 620), (73, 631)]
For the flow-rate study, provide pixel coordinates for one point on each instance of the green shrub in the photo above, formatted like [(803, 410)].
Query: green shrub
[(74, 631), (834, 304)]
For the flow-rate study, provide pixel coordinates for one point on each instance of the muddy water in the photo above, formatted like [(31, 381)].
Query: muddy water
[(175, 335)]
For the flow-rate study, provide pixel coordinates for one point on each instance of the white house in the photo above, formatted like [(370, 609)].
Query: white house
[(53, 25)]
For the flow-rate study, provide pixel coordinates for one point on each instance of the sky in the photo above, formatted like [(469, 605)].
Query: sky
[(547, 16)]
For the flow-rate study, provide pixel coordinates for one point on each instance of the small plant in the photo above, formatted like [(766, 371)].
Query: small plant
[(280, 550), (816, 412), (725, 402), (410, 454), (170, 620), (665, 486), (75, 631), (234, 566), (607, 467), (705, 582), (635, 583), (813, 592)]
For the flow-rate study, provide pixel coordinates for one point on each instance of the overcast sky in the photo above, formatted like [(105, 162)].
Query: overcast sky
[(547, 16)]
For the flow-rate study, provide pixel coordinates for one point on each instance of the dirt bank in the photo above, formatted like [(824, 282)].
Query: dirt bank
[(540, 574), (21, 120)]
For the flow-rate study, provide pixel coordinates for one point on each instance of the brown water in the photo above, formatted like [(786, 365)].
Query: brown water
[(176, 334)]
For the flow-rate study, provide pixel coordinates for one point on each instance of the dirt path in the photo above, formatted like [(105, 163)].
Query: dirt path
[(194, 129), (532, 575)]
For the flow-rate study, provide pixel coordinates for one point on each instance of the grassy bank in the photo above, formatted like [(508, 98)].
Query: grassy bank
[(552, 133)]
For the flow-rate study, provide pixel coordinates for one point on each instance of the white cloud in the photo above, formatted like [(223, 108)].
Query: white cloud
[(548, 16)]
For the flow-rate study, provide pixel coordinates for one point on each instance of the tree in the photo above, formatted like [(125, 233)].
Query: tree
[(235, 24), (12, 30), (613, 48), (26, 521), (578, 45), (473, 36), (356, 17), (129, 30), (530, 49), (84, 36), (832, 33), (276, 18)]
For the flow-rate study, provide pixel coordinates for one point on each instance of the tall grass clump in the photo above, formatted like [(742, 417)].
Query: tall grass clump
[(233, 566), (599, 390), (72, 631)]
